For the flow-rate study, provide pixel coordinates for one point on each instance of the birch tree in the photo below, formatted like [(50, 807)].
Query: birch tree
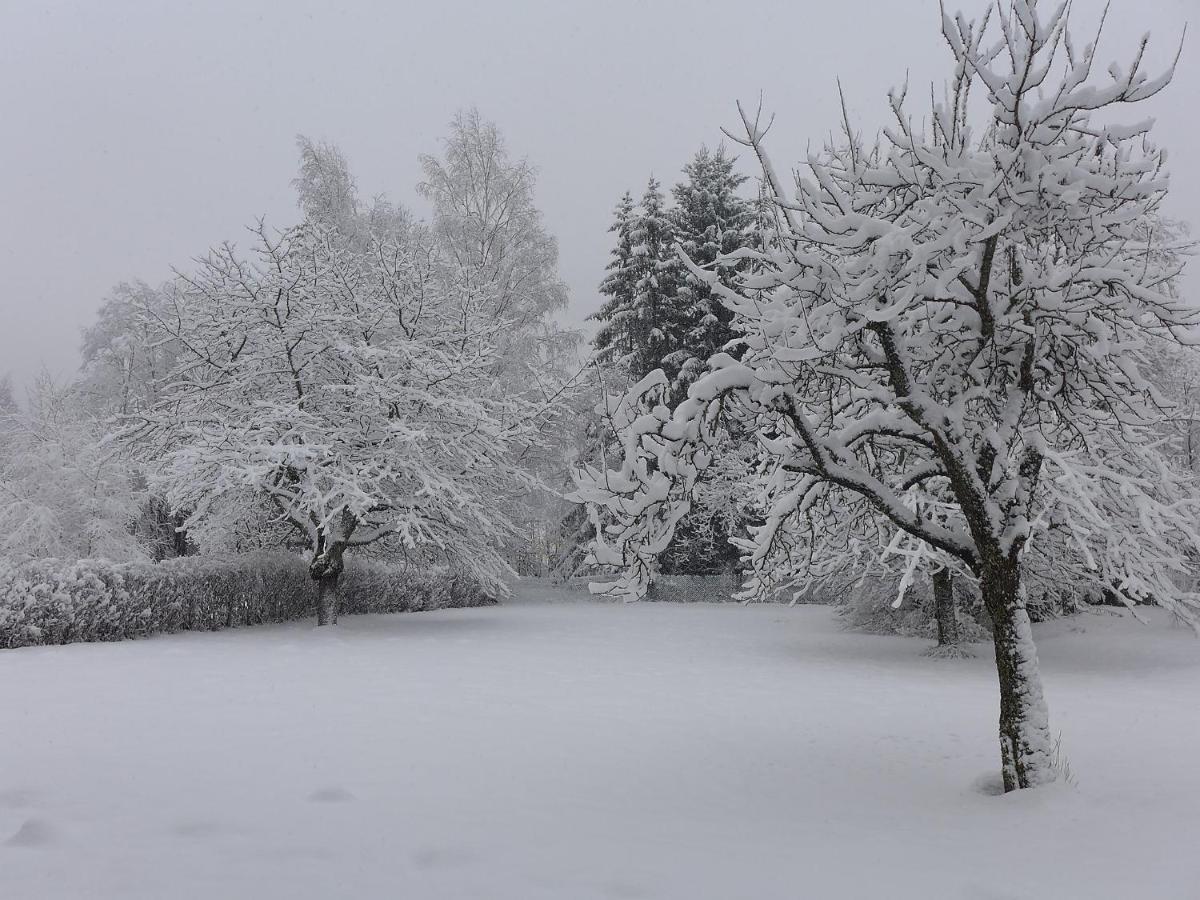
[(963, 309), (486, 221), (488, 229)]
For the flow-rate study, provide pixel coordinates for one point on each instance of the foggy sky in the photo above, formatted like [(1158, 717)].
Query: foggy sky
[(136, 135)]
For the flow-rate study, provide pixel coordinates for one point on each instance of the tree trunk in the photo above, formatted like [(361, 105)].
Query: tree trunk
[(325, 569), (948, 633), (1025, 746), (179, 538), (327, 598), (326, 566)]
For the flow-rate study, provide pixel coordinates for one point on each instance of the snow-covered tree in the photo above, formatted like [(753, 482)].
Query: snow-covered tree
[(657, 314), (614, 341), (325, 190), (123, 361), (352, 387), (658, 327), (488, 228), (711, 223), (640, 325), (64, 490), (961, 313), (327, 193), (485, 219)]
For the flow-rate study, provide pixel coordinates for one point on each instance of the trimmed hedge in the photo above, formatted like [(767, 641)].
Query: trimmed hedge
[(50, 601)]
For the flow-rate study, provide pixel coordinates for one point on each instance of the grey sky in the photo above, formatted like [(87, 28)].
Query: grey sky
[(138, 134)]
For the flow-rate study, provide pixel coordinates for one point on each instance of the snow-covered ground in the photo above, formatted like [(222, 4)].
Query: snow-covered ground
[(559, 748)]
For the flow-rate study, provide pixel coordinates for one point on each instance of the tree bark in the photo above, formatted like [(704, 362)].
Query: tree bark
[(327, 598), (326, 570), (948, 633), (1025, 746), (179, 537), (326, 566)]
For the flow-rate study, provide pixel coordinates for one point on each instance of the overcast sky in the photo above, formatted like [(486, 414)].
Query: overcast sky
[(136, 135)]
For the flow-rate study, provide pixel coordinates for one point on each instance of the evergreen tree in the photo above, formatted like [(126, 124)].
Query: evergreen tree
[(710, 221), (614, 341), (659, 315), (641, 326), (658, 329), (656, 313)]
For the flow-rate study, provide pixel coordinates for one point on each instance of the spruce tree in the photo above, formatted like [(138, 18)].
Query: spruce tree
[(710, 220), (614, 340), (657, 327), (658, 315)]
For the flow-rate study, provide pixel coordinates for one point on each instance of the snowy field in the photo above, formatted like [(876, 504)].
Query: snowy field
[(559, 748)]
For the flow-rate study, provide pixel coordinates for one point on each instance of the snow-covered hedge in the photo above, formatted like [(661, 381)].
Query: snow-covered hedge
[(48, 601)]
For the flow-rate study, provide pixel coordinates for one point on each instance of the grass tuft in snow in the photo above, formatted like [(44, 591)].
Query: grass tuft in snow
[(1061, 765)]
